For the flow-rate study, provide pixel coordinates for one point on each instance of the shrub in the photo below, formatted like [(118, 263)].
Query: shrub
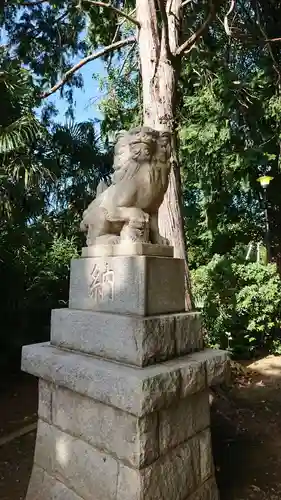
[(241, 305), (34, 278)]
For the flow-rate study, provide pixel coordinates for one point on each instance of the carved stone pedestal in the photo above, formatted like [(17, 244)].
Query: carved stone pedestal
[(123, 388)]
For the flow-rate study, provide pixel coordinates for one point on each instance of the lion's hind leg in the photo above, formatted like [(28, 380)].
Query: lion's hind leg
[(97, 226)]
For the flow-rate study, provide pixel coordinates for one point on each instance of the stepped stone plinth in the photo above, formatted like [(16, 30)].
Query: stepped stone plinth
[(124, 409)]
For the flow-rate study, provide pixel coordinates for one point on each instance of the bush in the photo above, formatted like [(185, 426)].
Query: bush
[(241, 305), (34, 278)]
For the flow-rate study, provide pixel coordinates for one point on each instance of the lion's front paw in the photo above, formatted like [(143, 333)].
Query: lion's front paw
[(139, 217), (163, 241), (143, 217)]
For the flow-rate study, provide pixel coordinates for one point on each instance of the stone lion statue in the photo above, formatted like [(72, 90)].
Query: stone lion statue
[(128, 208)]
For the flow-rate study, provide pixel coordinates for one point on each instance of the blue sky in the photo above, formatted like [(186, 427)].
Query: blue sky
[(86, 99)]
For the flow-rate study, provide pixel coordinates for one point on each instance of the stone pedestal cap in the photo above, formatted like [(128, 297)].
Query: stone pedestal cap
[(135, 390)]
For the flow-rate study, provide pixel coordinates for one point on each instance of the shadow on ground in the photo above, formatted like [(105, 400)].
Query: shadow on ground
[(246, 429), (18, 403)]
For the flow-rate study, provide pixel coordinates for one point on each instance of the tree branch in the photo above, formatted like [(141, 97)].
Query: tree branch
[(189, 44), (226, 24), (272, 40), (118, 11), (275, 62), (119, 26), (92, 57), (117, 31), (126, 59)]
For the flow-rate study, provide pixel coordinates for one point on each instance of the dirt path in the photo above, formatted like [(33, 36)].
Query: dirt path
[(15, 467), (246, 427), (18, 403)]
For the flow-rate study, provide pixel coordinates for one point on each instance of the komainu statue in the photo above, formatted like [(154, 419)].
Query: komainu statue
[(128, 208)]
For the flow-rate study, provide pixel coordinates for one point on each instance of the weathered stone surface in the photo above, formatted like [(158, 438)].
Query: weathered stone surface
[(188, 333), (130, 339), (137, 391), (128, 248), (165, 286), (130, 484), (45, 400), (206, 457), (216, 365), (193, 375), (75, 463), (159, 388), (208, 491), (201, 411), (172, 477), (133, 440), (175, 425), (184, 420), (73, 470), (42, 486), (157, 338), (138, 285)]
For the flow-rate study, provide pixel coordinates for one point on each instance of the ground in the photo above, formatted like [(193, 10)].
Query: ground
[(18, 397), (246, 429)]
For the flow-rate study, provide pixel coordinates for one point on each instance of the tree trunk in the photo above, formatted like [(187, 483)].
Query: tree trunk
[(159, 77)]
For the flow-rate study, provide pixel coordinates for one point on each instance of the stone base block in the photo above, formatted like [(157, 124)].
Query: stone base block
[(84, 446), (114, 432), (128, 339), (131, 389), (42, 486), (135, 441), (137, 285), (46, 487)]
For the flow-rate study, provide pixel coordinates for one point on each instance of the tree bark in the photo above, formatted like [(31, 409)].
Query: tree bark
[(159, 69)]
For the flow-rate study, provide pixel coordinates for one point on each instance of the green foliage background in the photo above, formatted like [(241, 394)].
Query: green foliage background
[(241, 305)]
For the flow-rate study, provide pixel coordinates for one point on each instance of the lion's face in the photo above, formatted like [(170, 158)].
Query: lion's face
[(142, 151), (137, 145), (141, 145)]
